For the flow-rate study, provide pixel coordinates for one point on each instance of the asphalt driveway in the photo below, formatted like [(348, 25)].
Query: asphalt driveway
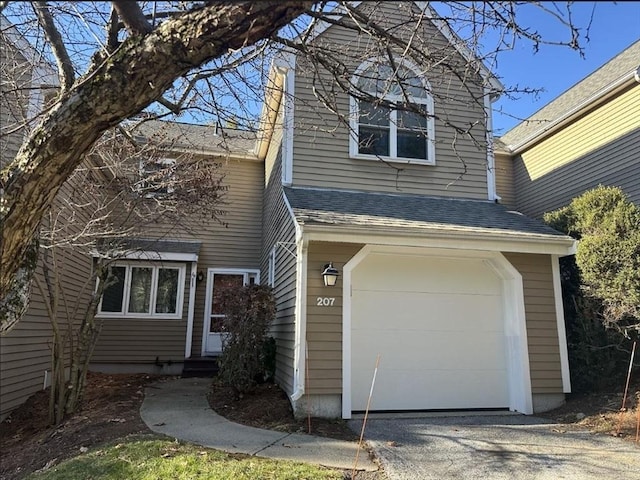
[(510, 447)]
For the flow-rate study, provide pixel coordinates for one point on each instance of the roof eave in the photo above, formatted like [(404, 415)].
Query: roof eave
[(475, 239), (603, 94)]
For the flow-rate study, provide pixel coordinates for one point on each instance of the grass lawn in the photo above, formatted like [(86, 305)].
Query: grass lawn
[(153, 458)]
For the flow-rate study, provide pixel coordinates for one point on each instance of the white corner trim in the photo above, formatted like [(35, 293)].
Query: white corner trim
[(192, 302), (562, 333), (288, 119), (491, 160)]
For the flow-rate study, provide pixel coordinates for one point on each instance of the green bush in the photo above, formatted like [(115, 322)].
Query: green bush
[(249, 313), (600, 285)]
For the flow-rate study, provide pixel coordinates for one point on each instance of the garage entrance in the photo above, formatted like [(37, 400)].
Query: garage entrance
[(439, 325)]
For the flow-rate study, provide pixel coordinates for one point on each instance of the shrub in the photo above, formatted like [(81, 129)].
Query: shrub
[(249, 313)]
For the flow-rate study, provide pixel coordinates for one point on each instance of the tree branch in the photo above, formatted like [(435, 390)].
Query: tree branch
[(132, 17), (63, 61)]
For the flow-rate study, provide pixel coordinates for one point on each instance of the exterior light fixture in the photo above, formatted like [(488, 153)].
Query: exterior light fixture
[(330, 275)]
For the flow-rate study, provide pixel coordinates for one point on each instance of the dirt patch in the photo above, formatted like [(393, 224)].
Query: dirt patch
[(267, 406), (110, 411), (601, 412)]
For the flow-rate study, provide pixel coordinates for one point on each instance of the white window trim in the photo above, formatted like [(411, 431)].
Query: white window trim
[(154, 287), (354, 121)]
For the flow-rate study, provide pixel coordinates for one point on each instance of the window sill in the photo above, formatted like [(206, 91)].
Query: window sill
[(411, 161)]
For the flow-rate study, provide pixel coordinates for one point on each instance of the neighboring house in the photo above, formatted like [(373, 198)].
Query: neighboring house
[(458, 296), (587, 136)]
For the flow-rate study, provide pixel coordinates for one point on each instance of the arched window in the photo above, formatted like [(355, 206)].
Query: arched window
[(404, 133)]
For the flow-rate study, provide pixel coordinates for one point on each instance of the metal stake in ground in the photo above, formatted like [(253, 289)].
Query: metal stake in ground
[(366, 414), (626, 389)]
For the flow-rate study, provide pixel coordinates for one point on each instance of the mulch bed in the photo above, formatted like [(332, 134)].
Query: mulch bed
[(110, 411), (267, 406)]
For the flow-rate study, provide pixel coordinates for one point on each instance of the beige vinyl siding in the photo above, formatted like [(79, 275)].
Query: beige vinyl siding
[(234, 244), (24, 352), (237, 244), (540, 312), (15, 75), (601, 147), (321, 141), (279, 231), (504, 180), (324, 324)]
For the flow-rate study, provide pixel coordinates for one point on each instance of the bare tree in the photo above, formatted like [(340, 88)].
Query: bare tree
[(210, 58), (123, 189)]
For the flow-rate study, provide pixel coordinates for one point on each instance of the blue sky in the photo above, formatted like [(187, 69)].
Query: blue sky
[(616, 25)]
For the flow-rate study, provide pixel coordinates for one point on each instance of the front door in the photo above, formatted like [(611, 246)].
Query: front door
[(219, 280)]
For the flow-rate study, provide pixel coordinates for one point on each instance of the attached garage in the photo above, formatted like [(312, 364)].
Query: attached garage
[(444, 325), (438, 326)]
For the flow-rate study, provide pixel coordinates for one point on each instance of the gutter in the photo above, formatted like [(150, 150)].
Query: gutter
[(600, 95)]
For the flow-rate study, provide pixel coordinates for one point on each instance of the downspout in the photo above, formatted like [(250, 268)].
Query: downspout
[(192, 302), (300, 315)]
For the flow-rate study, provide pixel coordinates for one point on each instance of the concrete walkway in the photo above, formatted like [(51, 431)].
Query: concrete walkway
[(179, 408)]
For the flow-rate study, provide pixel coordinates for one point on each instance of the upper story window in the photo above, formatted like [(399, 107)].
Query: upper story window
[(144, 290), (157, 177), (397, 123)]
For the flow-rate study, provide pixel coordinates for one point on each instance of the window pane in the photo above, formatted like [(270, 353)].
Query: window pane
[(140, 290), (167, 297), (412, 144), (114, 293), (371, 114), (373, 141), (411, 120), (222, 282)]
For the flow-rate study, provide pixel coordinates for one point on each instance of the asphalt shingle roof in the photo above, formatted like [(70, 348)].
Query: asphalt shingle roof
[(622, 64), (197, 138), (379, 211)]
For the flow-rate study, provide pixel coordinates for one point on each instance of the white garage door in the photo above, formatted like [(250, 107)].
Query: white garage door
[(437, 324)]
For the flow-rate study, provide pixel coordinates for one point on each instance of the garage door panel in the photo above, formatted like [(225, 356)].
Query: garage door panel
[(400, 350), (426, 311), (438, 326), (437, 275), (429, 389)]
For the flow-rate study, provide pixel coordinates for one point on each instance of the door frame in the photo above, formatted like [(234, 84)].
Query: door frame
[(211, 272)]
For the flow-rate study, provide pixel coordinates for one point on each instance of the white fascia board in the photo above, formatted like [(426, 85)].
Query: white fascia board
[(598, 97), (465, 240), (562, 332)]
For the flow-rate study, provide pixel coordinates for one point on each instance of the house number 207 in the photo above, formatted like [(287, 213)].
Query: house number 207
[(325, 301)]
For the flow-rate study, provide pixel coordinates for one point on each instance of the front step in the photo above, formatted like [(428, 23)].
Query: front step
[(206, 367)]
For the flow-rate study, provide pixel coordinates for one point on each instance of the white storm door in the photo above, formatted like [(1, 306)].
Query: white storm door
[(218, 281)]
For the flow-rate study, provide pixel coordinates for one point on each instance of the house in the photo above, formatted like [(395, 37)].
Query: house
[(586, 137), (455, 297)]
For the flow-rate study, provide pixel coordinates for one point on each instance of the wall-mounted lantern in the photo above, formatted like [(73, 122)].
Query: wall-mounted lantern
[(330, 275)]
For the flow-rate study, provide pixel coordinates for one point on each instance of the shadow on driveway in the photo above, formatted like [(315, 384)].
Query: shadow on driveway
[(509, 447)]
